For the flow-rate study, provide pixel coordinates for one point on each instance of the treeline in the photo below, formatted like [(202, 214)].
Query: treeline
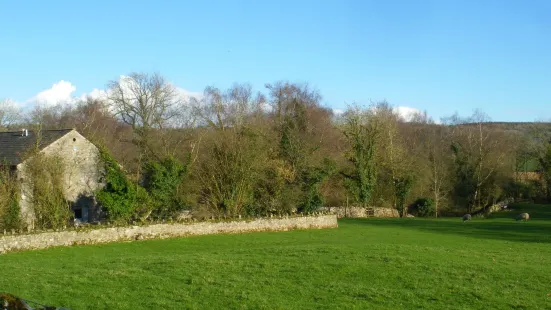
[(236, 152)]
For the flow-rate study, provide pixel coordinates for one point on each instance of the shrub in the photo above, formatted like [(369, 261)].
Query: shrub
[(313, 178), (402, 186), (121, 198), (530, 190), (424, 207), (46, 191), (272, 191), (162, 180), (230, 171), (9, 201)]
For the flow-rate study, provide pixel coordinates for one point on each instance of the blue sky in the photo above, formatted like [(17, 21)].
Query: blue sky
[(440, 56)]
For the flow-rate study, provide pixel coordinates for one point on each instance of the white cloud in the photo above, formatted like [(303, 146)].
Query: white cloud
[(338, 112), (406, 113), (266, 107), (127, 83), (94, 94), (60, 92), (185, 94), (63, 92)]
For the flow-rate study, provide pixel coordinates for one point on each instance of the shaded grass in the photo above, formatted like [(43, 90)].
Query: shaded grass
[(371, 263), (499, 225)]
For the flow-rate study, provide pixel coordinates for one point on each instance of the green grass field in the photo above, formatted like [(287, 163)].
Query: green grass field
[(493, 263)]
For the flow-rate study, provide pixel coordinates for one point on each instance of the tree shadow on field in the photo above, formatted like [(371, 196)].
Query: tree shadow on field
[(499, 226), (537, 212)]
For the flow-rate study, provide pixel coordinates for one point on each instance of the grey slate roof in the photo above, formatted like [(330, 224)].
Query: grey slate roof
[(13, 144)]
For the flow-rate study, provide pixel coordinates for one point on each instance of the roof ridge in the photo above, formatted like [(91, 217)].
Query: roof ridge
[(18, 131), (13, 143)]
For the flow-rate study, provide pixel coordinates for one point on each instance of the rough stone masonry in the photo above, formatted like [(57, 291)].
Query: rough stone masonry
[(160, 231)]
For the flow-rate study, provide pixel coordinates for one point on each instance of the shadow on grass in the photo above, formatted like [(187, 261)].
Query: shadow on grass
[(500, 226), (537, 212)]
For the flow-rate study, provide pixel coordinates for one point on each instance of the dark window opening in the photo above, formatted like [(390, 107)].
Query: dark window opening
[(74, 139), (78, 213)]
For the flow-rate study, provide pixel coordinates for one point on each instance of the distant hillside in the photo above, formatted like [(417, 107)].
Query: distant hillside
[(530, 129), (523, 126), (532, 134)]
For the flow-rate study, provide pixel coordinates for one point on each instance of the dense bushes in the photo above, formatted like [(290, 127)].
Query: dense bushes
[(229, 175), (162, 181), (121, 199), (158, 194), (9, 201), (423, 207), (253, 162), (273, 193), (313, 178), (402, 187), (545, 162), (527, 190), (45, 189)]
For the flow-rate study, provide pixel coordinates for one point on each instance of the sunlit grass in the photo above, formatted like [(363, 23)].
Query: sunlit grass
[(494, 263)]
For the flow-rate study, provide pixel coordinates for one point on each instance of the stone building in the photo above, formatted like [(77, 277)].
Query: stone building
[(82, 171)]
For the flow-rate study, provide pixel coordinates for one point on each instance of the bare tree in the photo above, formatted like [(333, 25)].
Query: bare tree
[(438, 164), (300, 122), (9, 114), (395, 161), (479, 152), (51, 117), (428, 148), (292, 99), (230, 109), (147, 102), (421, 118)]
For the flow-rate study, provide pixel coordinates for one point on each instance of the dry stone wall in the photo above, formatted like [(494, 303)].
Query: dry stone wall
[(359, 212), (386, 212), (160, 231)]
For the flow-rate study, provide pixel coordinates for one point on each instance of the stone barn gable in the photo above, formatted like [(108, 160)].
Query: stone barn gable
[(81, 159)]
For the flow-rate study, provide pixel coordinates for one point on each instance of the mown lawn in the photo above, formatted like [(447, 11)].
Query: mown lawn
[(493, 263)]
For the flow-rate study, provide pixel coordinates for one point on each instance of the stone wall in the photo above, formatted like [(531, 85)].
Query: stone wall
[(386, 212), (83, 168), (341, 212), (160, 231), (359, 212)]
